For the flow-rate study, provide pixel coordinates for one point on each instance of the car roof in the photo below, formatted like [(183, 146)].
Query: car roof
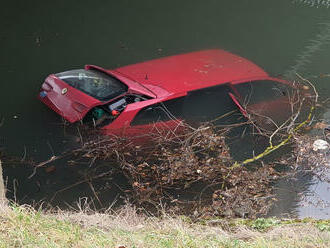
[(192, 71)]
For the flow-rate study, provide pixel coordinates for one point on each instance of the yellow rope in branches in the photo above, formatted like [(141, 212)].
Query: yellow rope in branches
[(271, 148)]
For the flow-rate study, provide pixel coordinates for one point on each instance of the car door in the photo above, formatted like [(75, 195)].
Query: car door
[(148, 119), (269, 102), (210, 104), (159, 119)]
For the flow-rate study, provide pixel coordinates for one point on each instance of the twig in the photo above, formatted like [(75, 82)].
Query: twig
[(24, 154), (271, 148), (51, 159), (95, 194), (80, 182)]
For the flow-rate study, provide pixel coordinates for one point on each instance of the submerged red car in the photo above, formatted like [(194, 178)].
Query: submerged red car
[(136, 99)]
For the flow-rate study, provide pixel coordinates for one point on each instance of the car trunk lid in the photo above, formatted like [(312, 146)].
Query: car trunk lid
[(70, 103)]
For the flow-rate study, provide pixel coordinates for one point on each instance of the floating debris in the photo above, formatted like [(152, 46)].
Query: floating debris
[(190, 174), (320, 144), (311, 154)]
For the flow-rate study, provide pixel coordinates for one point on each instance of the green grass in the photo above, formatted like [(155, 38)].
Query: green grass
[(21, 226)]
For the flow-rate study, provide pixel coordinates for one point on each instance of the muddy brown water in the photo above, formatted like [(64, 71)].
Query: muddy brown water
[(42, 37)]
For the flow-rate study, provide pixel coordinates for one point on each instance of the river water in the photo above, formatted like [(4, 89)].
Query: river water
[(42, 37)]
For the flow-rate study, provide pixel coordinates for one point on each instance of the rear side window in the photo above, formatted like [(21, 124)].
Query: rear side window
[(209, 103), (164, 111), (261, 91), (198, 106)]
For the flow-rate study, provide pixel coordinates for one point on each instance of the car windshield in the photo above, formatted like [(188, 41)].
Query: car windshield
[(94, 83)]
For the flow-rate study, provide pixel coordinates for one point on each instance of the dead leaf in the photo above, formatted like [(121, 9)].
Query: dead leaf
[(320, 125)]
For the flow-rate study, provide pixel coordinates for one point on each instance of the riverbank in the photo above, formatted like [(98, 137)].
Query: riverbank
[(22, 226)]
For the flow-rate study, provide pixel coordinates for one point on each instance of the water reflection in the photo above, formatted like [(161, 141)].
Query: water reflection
[(288, 192), (314, 201)]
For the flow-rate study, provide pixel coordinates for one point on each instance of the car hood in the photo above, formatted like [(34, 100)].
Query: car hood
[(192, 71)]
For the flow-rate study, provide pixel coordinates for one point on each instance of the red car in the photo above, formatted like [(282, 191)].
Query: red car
[(153, 95)]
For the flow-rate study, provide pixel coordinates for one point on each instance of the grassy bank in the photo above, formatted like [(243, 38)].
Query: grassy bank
[(25, 227)]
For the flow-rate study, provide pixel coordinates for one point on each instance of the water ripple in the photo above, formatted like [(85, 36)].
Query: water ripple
[(314, 45), (314, 3)]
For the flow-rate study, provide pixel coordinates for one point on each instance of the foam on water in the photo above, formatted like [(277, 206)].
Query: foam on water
[(314, 3)]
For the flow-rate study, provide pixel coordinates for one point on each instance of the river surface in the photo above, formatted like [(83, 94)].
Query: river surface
[(38, 38)]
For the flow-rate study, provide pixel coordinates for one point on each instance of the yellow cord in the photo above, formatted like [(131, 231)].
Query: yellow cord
[(271, 147)]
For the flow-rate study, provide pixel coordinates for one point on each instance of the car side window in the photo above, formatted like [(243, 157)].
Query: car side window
[(209, 103), (262, 90), (164, 111)]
